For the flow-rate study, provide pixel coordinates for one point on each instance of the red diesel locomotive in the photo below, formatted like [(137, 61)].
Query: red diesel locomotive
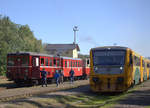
[(25, 67)]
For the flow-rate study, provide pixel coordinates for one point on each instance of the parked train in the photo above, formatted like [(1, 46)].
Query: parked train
[(25, 67), (116, 69)]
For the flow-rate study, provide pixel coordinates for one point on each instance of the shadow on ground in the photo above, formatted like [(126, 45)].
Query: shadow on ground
[(140, 98)]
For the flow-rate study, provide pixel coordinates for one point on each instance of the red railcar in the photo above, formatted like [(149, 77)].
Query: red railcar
[(75, 64), (86, 68), (26, 66)]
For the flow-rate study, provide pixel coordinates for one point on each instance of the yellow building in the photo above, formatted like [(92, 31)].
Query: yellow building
[(68, 50)]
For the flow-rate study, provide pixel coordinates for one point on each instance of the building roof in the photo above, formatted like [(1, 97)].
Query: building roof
[(62, 47)]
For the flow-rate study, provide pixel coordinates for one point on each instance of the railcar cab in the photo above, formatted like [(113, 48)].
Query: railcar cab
[(108, 68), (17, 66)]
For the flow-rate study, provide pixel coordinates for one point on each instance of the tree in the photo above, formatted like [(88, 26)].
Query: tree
[(16, 37)]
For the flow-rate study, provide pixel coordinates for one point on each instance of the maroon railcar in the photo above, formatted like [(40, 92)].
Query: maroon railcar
[(26, 66)]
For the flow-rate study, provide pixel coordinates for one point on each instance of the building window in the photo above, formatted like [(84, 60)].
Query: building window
[(67, 52)]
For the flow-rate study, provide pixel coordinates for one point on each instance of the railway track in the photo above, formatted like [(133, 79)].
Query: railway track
[(10, 94)]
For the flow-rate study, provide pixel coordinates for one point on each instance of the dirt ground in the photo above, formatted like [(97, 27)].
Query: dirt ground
[(72, 98), (139, 98), (57, 99)]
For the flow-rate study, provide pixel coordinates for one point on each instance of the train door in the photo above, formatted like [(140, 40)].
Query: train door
[(35, 67)]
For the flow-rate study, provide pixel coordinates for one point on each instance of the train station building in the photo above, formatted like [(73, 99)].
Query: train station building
[(67, 50)]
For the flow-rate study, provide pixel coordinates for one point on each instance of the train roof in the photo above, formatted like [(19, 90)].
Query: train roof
[(71, 58), (40, 54), (30, 53), (110, 48)]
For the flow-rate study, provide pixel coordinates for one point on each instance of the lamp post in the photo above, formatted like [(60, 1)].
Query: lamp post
[(75, 28)]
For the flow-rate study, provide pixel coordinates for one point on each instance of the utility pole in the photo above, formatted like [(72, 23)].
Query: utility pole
[(75, 28)]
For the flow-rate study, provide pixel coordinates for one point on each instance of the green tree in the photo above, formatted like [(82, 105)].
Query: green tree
[(15, 37)]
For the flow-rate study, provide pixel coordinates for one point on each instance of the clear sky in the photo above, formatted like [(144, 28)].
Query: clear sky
[(100, 22)]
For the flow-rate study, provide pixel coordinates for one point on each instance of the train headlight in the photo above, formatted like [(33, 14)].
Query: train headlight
[(121, 68)]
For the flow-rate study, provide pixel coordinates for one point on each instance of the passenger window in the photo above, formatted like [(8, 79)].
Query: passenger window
[(54, 61), (42, 61), (46, 61), (79, 64), (58, 62), (143, 63), (51, 62), (147, 65), (88, 63), (67, 63), (37, 61), (136, 61), (76, 63), (71, 64)]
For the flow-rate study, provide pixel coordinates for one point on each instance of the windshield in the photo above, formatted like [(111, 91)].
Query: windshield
[(108, 57), (18, 60)]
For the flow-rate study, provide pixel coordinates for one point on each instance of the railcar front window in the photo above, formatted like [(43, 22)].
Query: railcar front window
[(25, 61), (11, 61), (108, 58)]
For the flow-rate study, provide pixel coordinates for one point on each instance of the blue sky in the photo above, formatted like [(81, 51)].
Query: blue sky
[(100, 22)]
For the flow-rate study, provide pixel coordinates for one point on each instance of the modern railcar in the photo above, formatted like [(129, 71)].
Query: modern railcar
[(116, 69)]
